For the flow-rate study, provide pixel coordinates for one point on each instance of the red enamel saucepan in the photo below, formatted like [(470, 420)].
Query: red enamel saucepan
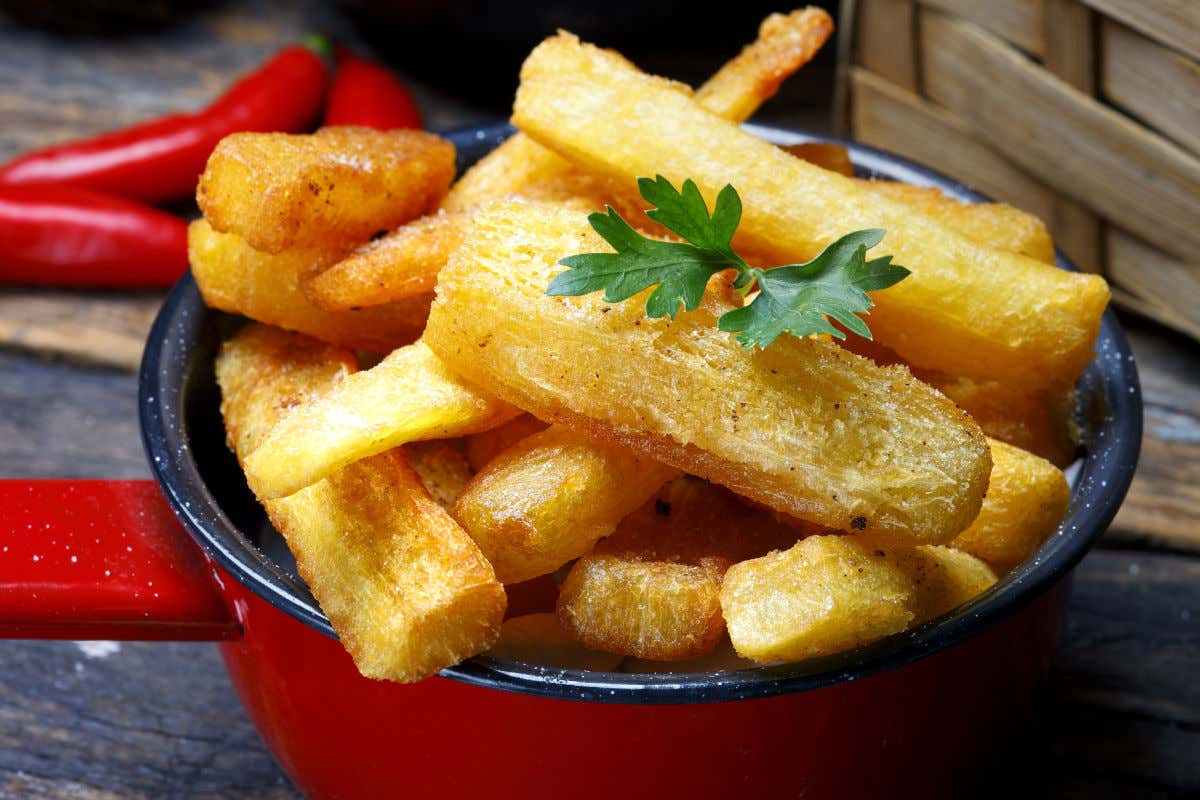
[(917, 714)]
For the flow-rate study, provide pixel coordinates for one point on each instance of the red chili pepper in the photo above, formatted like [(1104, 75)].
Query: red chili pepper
[(366, 93), (162, 159), (67, 236)]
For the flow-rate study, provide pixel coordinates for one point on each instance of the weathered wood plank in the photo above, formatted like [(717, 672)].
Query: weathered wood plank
[(1162, 281), (107, 329), (1070, 140), (1152, 82), (129, 720), (1017, 21), (885, 40), (1163, 505), (58, 421), (1175, 22), (1070, 53), (886, 116)]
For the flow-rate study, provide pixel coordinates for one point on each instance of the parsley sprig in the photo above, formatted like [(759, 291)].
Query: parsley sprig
[(794, 298)]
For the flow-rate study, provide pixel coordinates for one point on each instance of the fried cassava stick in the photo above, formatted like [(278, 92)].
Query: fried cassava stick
[(966, 310), (804, 426)]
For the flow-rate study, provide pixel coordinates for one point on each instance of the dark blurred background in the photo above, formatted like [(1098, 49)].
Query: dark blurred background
[(471, 49)]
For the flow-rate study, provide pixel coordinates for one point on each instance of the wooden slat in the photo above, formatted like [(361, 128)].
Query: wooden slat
[(885, 40), (1069, 28), (890, 118), (1078, 231), (1162, 281), (87, 327), (1173, 22), (1079, 146), (1163, 505), (1017, 21), (1151, 82)]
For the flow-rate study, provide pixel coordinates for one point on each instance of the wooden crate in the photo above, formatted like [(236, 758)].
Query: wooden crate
[(1084, 112)]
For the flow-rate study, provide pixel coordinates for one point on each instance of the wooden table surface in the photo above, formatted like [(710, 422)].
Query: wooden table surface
[(1121, 717)]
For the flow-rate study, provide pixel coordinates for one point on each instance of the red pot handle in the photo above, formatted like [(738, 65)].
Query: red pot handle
[(99, 559)]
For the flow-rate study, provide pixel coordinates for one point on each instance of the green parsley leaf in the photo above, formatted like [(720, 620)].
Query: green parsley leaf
[(797, 298)]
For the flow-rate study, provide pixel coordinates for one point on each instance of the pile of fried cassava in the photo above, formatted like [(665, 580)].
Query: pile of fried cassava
[(463, 464)]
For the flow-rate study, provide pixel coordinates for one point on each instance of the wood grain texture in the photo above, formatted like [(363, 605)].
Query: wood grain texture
[(1152, 82), (108, 329), (1173, 22), (1070, 140), (1161, 281), (888, 117), (885, 40), (1068, 28), (127, 720), (1016, 21), (1163, 505)]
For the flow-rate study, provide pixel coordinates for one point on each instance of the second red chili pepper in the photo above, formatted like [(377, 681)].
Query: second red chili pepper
[(67, 236), (366, 93), (161, 159)]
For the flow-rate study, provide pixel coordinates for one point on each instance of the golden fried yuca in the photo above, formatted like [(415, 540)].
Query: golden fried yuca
[(824, 595), (1026, 500), (785, 43), (1031, 420), (235, 277), (803, 426), (409, 396), (826, 155), (443, 468), (651, 589), (994, 224), (550, 497), (406, 590), (636, 607), (966, 309), (338, 186), (539, 639), (401, 264), (997, 225), (522, 167), (484, 446), (943, 578)]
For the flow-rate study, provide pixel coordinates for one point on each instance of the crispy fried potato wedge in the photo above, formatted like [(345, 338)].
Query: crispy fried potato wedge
[(967, 309), (443, 468), (785, 43), (996, 225), (409, 396), (943, 578), (1026, 500), (824, 595), (803, 426), (235, 277), (650, 590), (483, 447), (550, 497), (1031, 420), (539, 639), (826, 155), (523, 168), (404, 263), (637, 608), (336, 187), (406, 589)]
